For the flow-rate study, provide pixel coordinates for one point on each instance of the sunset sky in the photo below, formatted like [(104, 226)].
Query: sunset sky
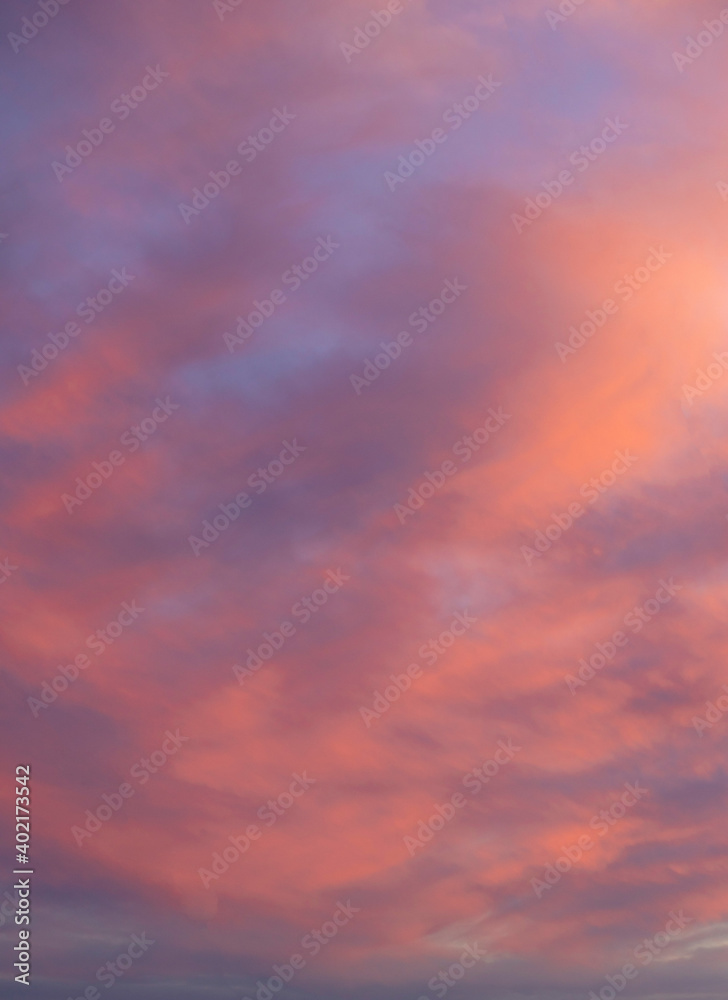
[(363, 418)]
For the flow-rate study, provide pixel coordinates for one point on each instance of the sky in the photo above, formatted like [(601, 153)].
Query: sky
[(364, 372)]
